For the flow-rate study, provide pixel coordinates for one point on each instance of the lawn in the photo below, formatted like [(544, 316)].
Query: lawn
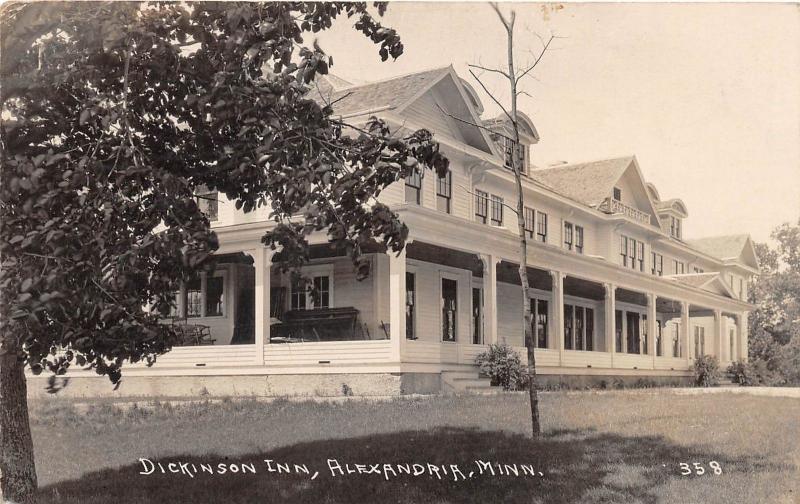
[(598, 447)]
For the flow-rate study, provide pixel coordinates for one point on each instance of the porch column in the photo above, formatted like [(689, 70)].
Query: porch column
[(687, 353), (558, 313), (651, 326), (183, 301), (397, 302), (743, 336), (610, 320), (719, 328), (262, 261), (490, 298)]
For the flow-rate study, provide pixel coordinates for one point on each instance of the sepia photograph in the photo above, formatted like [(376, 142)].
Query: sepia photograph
[(409, 252)]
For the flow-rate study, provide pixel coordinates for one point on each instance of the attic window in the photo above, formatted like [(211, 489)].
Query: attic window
[(617, 194), (510, 148), (675, 227)]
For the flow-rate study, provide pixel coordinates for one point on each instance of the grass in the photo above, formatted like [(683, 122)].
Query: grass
[(598, 447)]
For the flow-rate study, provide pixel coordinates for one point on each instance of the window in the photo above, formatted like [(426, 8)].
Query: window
[(510, 148), (633, 334), (449, 309), (699, 341), (315, 295), (632, 253), (643, 334), (618, 330), (497, 210), (578, 327), (541, 323), (208, 202), (623, 250), (477, 316), (676, 340), (640, 255), (658, 263), (679, 267), (194, 297), (741, 289), (541, 227), (530, 220), (205, 296), (568, 236), (411, 301), (481, 206), (569, 335), (414, 188), (675, 227), (444, 192), (658, 338), (698, 270), (732, 339), (617, 194), (579, 239), (214, 296)]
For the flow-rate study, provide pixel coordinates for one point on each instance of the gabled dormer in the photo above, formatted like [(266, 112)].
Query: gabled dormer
[(503, 137), (670, 213)]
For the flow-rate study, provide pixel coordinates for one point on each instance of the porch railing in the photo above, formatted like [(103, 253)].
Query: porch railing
[(614, 206)]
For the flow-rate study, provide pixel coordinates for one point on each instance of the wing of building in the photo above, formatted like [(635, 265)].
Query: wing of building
[(615, 288)]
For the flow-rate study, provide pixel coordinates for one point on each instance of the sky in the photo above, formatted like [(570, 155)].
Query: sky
[(706, 96)]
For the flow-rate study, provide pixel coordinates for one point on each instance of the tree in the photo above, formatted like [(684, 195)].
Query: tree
[(774, 337), (513, 76), (114, 114)]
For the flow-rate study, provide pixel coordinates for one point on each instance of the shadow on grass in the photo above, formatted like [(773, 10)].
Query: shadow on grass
[(577, 466)]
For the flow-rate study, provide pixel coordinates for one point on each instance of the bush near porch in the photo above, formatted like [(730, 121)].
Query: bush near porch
[(597, 447)]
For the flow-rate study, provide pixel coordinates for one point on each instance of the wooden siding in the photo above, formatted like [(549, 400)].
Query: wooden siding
[(333, 352)]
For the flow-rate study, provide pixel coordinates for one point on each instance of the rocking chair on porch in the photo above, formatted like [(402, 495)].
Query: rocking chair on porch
[(193, 334)]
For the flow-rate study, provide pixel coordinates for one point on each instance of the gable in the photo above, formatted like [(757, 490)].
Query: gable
[(635, 193), (449, 105)]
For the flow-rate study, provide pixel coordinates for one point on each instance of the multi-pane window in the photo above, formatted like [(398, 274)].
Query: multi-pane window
[(208, 202), (449, 309), (481, 206), (510, 149), (699, 341), (741, 288), (414, 188), (640, 255), (675, 227), (657, 260), (618, 330), (497, 210), (530, 221), (411, 302), (676, 340), (617, 194), (540, 321), (477, 316), (658, 338), (541, 227), (444, 192), (578, 327), (205, 297), (631, 252), (679, 267), (579, 239), (568, 236), (194, 297), (315, 295)]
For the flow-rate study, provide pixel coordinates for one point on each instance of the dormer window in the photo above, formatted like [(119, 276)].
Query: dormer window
[(675, 227), (618, 194), (511, 148)]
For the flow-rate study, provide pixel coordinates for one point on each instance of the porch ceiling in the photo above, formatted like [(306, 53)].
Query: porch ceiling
[(583, 288), (508, 272), (427, 252)]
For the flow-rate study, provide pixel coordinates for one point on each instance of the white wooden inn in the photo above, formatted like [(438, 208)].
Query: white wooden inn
[(616, 290)]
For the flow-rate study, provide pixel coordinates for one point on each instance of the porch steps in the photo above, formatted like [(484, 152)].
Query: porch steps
[(470, 382)]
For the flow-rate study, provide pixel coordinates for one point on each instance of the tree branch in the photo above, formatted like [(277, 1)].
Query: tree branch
[(495, 70), (537, 60), (492, 96)]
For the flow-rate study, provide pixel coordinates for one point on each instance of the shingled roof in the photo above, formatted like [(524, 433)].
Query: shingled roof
[(694, 279), (587, 183), (386, 94), (721, 247)]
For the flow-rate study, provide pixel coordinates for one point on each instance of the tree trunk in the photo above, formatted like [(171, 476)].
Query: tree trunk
[(17, 468)]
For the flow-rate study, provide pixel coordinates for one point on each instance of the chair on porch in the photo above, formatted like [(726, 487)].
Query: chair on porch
[(193, 334)]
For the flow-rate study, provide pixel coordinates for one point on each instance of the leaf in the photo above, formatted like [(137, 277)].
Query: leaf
[(84, 117), (26, 285)]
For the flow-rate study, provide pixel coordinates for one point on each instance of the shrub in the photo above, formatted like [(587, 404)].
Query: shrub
[(504, 367), (706, 371), (753, 373)]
